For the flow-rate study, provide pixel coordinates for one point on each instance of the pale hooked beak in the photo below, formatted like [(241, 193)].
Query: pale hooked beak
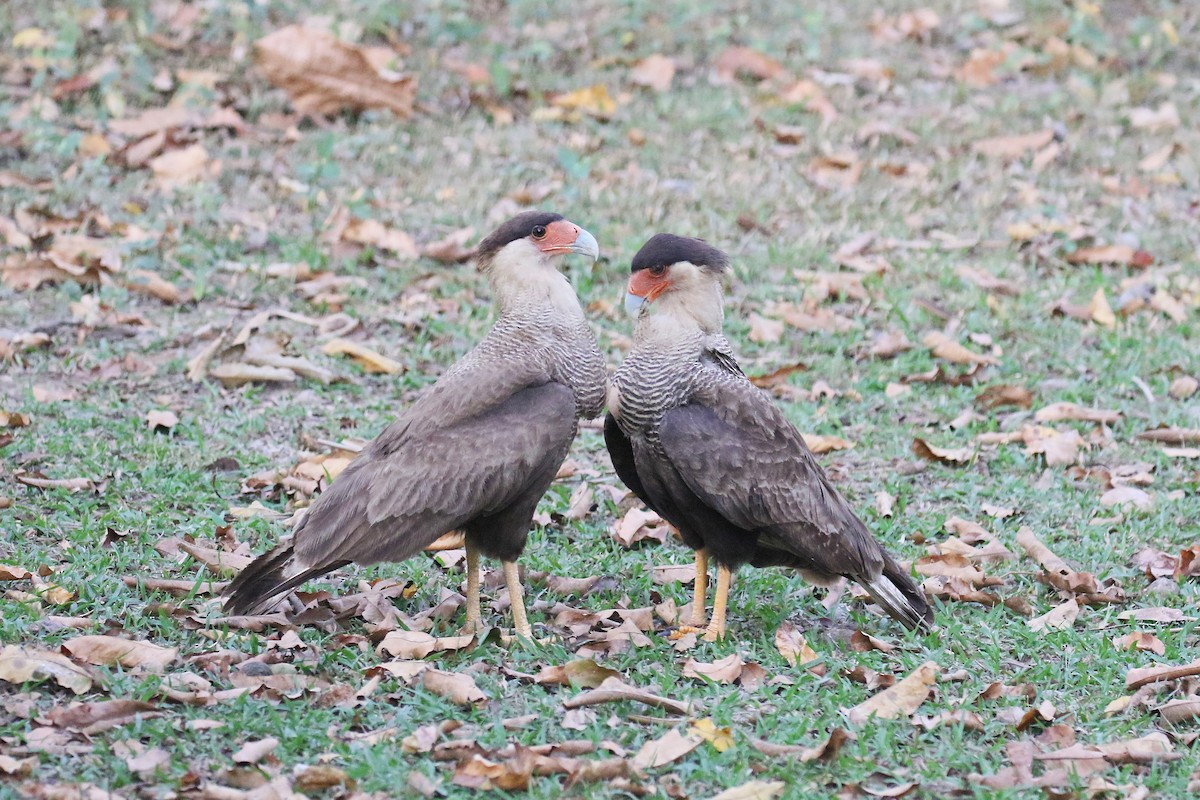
[(586, 245), (633, 304)]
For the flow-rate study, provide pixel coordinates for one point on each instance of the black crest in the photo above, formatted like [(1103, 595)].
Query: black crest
[(664, 249), (518, 227)]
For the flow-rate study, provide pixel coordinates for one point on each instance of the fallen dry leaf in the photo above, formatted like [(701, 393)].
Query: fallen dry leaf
[(23, 664), (943, 455), (1183, 387), (323, 75), (1127, 495), (885, 503), (736, 62), (672, 746), (795, 649), (374, 233), (613, 690), (176, 167), (942, 346), (370, 360), (114, 651), (583, 672), (901, 700), (161, 420), (821, 444), (1100, 311), (1013, 147), (639, 525), (1058, 618), (1140, 640), (726, 670), (594, 100), (1004, 395), (753, 790), (1141, 676), (654, 72), (1057, 412), (765, 330), (455, 687), (255, 750), (1162, 435)]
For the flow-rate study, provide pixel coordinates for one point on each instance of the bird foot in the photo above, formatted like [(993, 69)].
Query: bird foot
[(714, 634), (684, 630), (472, 627)]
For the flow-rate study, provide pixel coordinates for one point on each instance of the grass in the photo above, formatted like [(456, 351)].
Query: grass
[(708, 157)]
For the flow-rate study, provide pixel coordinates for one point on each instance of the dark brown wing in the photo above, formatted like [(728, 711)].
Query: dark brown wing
[(419, 480), (739, 455), (396, 499), (621, 452)]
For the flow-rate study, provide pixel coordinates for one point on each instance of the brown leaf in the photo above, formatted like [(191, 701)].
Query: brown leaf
[(13, 419), (1140, 640), (613, 690), (148, 762), (319, 777), (481, 773), (19, 768), (1058, 618), (151, 283), (114, 651), (821, 444), (884, 503), (779, 376), (1175, 711), (255, 750), (1013, 147), (101, 715), (21, 664), (10, 573), (1162, 435), (1141, 676), (452, 249), (593, 100), (160, 419), (1127, 495), (323, 75), (1100, 311), (943, 455), (942, 346), (373, 232), (454, 686), (370, 360), (672, 746), (764, 330), (754, 790), (184, 165), (736, 62), (1056, 412), (582, 672), (952, 565), (900, 700), (1183, 387), (638, 525), (1004, 395), (654, 72), (1103, 254), (727, 670)]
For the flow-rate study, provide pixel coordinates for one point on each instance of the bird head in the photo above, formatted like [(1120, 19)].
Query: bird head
[(534, 239), (680, 276)]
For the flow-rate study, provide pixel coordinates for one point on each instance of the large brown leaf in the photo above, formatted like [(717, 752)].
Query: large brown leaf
[(323, 75)]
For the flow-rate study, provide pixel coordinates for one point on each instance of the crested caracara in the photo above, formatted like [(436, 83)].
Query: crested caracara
[(716, 458), (478, 449)]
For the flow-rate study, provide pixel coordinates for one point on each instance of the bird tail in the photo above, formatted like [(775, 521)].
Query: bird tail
[(267, 578), (901, 597)]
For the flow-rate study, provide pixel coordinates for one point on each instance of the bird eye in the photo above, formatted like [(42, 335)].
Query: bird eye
[(658, 270), (539, 231)]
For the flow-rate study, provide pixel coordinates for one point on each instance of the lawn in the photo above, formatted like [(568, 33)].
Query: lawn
[(965, 241)]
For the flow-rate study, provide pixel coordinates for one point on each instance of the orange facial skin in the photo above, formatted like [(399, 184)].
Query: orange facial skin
[(560, 235), (646, 285)]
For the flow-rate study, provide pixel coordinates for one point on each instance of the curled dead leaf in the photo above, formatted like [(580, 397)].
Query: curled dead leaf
[(901, 700), (943, 455), (454, 686), (114, 651), (369, 359), (323, 75), (25, 664)]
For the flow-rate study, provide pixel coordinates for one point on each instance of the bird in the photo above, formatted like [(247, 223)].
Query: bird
[(714, 455), (477, 450)]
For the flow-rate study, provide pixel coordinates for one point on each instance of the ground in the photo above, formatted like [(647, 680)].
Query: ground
[(1018, 178)]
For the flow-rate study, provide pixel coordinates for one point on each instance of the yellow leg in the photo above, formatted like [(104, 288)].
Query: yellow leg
[(716, 628), (516, 597), (700, 589), (474, 618)]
